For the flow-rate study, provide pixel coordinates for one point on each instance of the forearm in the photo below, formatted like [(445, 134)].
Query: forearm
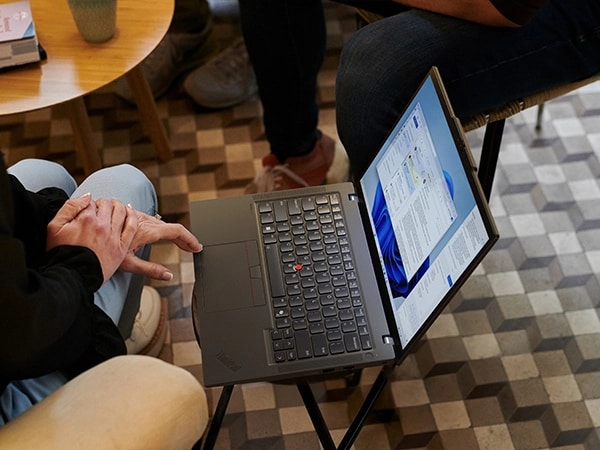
[(47, 312), (485, 12)]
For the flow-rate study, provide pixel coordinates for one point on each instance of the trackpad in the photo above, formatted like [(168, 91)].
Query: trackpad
[(231, 276)]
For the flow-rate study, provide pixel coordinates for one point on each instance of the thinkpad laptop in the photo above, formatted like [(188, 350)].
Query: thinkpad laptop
[(338, 277)]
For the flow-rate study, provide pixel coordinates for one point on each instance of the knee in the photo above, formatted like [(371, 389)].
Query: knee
[(36, 174), (134, 176), (137, 184)]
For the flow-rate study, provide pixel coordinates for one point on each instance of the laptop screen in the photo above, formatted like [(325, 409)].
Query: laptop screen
[(426, 222)]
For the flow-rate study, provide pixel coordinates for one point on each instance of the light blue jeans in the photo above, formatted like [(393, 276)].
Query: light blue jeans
[(119, 297)]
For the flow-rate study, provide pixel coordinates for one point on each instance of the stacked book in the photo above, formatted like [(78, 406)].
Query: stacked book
[(18, 40)]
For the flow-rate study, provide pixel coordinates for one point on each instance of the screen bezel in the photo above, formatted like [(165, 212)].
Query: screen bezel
[(470, 170)]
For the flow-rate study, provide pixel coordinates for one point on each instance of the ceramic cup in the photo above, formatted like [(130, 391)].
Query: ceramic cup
[(95, 19)]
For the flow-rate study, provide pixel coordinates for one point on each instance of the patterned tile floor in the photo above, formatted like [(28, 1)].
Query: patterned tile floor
[(514, 361)]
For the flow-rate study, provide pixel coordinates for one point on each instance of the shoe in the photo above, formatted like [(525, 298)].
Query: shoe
[(297, 172), (226, 80), (176, 54), (150, 325)]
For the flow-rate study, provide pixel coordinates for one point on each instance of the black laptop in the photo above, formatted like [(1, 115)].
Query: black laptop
[(333, 278)]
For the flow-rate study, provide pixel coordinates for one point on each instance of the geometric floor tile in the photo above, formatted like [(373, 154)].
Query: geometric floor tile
[(514, 360)]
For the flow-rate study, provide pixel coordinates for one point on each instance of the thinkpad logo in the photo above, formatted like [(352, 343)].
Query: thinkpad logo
[(228, 362)]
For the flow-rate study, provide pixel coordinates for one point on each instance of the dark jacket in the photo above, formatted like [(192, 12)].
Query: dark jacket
[(48, 320)]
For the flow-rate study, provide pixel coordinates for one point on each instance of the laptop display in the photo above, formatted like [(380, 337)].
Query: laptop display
[(426, 222)]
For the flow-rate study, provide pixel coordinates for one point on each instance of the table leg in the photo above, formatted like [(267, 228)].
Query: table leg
[(209, 439), (82, 133), (148, 112)]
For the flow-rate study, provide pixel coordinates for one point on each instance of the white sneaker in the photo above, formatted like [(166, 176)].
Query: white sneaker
[(150, 326), (224, 81)]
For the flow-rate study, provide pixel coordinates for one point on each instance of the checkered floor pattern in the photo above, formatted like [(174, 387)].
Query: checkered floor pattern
[(512, 363)]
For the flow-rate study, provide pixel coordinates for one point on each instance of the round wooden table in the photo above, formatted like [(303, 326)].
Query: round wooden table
[(75, 68)]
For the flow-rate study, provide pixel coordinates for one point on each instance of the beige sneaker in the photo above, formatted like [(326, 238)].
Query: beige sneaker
[(297, 172), (150, 326)]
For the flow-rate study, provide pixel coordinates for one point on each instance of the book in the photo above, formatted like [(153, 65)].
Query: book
[(18, 40)]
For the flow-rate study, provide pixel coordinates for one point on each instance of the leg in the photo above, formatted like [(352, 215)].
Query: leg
[(21, 395), (37, 174), (123, 290), (482, 67), (190, 42), (286, 43), (127, 402), (120, 296)]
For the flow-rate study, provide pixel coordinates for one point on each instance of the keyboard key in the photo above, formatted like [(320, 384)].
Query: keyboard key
[(308, 204), (294, 207), (314, 316), (275, 275), (319, 345), (303, 345), (264, 208), (349, 326), (280, 210), (316, 328), (299, 324), (282, 312), (366, 342), (334, 335), (266, 218), (352, 342), (283, 322), (335, 348), (332, 323)]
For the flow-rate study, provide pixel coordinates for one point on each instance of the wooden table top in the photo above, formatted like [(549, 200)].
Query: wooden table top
[(75, 67)]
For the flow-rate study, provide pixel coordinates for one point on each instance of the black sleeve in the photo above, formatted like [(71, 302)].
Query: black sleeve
[(49, 321), (519, 11)]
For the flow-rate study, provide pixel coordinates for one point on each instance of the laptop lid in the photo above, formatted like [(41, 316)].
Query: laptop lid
[(428, 218)]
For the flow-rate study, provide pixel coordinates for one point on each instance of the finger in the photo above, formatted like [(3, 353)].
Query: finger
[(130, 227), (149, 269), (181, 237), (72, 208), (104, 209), (118, 216)]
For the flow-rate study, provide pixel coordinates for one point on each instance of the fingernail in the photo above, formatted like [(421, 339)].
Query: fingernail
[(87, 194), (167, 276)]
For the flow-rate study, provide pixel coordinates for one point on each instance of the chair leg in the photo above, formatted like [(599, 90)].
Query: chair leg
[(489, 155), (540, 113)]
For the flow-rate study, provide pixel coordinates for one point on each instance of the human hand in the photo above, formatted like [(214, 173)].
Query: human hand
[(107, 227), (152, 229)]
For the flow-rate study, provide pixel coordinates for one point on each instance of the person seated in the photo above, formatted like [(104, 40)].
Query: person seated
[(488, 54), (73, 259)]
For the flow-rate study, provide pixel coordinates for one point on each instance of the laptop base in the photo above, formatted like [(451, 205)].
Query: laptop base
[(312, 407)]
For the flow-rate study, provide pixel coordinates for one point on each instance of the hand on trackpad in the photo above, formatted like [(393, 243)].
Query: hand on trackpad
[(230, 276)]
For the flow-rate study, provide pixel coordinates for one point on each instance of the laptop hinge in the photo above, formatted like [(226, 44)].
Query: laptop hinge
[(353, 198), (388, 340)]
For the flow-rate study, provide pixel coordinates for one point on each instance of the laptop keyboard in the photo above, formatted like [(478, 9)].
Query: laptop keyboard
[(317, 304)]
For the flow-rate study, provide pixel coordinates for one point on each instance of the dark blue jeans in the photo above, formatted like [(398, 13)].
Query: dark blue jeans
[(383, 63)]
